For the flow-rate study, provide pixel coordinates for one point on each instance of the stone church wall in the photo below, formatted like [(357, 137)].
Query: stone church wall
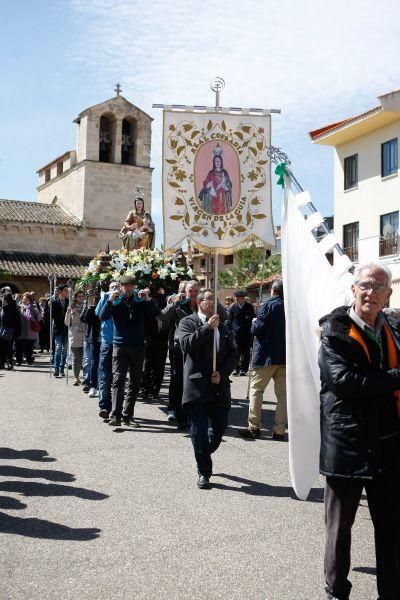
[(68, 188), (57, 239)]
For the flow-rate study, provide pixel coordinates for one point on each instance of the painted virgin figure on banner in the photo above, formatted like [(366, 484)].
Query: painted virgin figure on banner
[(216, 193), (138, 230)]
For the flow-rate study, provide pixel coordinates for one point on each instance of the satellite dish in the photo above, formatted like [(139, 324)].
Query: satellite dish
[(388, 231)]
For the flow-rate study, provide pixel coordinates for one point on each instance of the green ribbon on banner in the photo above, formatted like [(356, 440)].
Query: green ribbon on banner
[(281, 171)]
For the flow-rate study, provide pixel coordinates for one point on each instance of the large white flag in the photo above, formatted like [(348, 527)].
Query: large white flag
[(312, 288)]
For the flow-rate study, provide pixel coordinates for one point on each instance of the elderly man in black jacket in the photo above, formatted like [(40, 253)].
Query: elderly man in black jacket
[(206, 393), (360, 430)]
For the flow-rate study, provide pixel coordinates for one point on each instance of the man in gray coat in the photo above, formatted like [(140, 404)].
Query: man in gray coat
[(206, 393)]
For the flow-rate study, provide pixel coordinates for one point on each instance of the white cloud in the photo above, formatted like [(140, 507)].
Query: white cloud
[(317, 61)]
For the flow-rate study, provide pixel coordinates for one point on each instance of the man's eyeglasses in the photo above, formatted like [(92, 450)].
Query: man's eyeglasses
[(365, 286)]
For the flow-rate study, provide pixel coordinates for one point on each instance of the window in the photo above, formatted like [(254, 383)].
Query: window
[(127, 145), (202, 262), (105, 143), (228, 259), (389, 241), (350, 240), (59, 168), (47, 175), (351, 172), (389, 158)]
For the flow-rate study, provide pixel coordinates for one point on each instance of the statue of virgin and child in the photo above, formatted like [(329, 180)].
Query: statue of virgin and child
[(138, 231)]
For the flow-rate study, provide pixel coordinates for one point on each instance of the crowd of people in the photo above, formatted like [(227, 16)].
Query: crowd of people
[(128, 331), (105, 337)]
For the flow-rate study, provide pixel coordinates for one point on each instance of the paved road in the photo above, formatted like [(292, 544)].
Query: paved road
[(88, 512)]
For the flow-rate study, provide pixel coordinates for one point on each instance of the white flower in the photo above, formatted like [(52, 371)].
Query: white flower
[(173, 276), (163, 272), (174, 267), (92, 267), (117, 264)]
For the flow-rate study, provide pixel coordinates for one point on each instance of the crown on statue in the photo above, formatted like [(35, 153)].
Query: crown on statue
[(217, 150), (139, 192)]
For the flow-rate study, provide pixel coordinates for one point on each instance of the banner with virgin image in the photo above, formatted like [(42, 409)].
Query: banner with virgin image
[(216, 180)]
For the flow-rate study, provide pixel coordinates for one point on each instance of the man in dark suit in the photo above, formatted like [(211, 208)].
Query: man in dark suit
[(206, 393), (241, 314)]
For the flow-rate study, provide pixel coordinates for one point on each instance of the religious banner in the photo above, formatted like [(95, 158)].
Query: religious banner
[(216, 180)]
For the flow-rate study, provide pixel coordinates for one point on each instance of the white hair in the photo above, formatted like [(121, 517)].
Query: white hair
[(373, 267), (192, 283)]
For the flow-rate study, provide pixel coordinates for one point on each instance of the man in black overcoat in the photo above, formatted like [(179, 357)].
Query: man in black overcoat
[(241, 315), (206, 393), (359, 362)]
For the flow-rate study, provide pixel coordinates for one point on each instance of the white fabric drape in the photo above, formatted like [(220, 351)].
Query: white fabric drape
[(312, 288)]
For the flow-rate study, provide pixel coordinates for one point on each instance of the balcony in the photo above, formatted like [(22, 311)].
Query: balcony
[(352, 253), (388, 246)]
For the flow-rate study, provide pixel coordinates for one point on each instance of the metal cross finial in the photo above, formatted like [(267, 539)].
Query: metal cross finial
[(118, 89), (217, 85), (277, 155)]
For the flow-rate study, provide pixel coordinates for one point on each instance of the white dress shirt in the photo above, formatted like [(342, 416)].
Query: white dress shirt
[(203, 318)]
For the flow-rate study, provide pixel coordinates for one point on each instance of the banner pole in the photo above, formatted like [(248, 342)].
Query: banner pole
[(215, 308)]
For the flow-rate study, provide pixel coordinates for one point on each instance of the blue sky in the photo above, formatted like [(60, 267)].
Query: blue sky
[(317, 61)]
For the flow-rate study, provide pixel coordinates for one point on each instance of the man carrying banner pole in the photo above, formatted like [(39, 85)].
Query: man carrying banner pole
[(217, 193), (209, 357)]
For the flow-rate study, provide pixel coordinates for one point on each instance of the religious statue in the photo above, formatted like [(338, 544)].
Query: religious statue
[(139, 229), (216, 193)]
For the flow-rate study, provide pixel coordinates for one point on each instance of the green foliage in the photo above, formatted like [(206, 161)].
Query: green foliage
[(250, 264)]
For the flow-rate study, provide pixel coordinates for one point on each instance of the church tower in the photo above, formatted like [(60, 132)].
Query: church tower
[(96, 182)]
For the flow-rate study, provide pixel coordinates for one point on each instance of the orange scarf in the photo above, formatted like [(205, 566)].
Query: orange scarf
[(393, 358)]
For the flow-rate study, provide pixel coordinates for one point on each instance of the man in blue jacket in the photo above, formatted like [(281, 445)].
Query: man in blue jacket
[(269, 361), (128, 313), (106, 349)]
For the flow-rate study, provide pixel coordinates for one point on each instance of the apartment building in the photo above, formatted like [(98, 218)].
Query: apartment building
[(367, 184)]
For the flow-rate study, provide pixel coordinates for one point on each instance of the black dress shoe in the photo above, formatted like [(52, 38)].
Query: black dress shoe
[(203, 483), (250, 434), (278, 437)]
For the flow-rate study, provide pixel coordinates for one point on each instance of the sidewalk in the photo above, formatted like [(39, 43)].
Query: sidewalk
[(91, 512)]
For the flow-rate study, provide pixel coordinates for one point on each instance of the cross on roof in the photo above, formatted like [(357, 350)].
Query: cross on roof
[(118, 89)]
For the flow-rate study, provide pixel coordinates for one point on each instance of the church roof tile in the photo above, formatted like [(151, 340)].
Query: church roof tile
[(35, 212), (32, 264)]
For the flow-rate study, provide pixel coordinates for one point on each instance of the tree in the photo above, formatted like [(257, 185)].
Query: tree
[(249, 267)]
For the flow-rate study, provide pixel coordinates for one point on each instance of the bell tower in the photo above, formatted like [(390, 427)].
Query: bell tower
[(96, 181)]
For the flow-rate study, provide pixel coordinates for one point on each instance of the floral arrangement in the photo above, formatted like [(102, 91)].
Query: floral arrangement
[(150, 268)]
